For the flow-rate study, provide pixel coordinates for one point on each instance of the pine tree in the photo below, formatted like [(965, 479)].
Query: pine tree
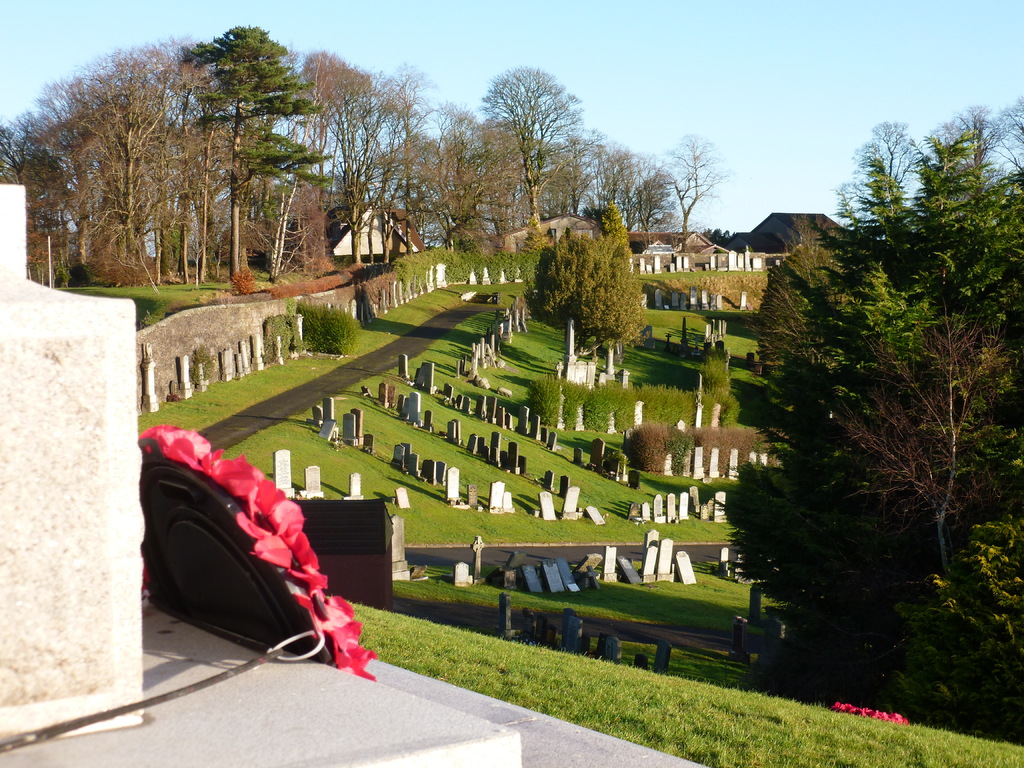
[(253, 88)]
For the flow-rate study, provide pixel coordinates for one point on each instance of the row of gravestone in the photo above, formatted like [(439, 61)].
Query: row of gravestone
[(436, 472), (324, 418), (672, 508), (538, 630), (312, 488)]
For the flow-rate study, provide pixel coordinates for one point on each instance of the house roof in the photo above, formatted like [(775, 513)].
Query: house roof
[(695, 243), (779, 232), (403, 227)]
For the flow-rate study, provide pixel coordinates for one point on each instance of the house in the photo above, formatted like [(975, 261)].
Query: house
[(391, 226), (780, 232), (644, 243), (554, 228)]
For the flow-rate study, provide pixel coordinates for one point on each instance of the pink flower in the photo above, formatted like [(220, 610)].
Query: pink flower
[(891, 717)]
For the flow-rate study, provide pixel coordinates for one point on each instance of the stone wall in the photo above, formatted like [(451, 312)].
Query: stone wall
[(222, 328)]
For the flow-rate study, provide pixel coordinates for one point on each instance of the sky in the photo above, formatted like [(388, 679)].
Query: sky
[(787, 91)]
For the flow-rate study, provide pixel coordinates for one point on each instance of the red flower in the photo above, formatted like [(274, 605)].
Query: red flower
[(891, 717), (275, 524)]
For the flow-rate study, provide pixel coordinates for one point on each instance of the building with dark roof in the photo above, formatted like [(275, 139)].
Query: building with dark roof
[(780, 232)]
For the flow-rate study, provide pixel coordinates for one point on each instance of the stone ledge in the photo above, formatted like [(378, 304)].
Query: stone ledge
[(280, 714)]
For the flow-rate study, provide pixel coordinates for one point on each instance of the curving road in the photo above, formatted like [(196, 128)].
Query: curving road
[(248, 422)]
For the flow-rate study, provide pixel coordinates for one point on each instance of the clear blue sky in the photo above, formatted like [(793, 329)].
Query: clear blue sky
[(786, 90)]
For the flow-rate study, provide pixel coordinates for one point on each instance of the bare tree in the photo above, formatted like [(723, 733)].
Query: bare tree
[(545, 121), (697, 173), (925, 419), (985, 128), (362, 134)]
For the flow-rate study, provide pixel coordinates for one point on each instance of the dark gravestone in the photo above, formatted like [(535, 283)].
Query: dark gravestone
[(625, 568), (572, 629), (563, 485), (543, 435), (428, 471), (440, 468), (662, 656), (531, 578), (585, 643), (449, 393), (502, 460), (551, 639), (428, 421), (566, 574), (592, 581), (549, 480), (400, 404), (472, 445), (577, 456), (754, 611), (511, 462), (368, 443), (529, 624), (382, 395), (398, 457), (510, 579), (412, 464), (521, 466), (540, 632), (535, 426), (495, 443), (739, 641), (612, 650), (467, 405), (597, 453), (471, 495), (552, 441), (634, 478), (640, 661), (515, 560), (505, 616), (549, 568)]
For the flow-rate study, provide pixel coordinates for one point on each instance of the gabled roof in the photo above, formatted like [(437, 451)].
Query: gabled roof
[(779, 232)]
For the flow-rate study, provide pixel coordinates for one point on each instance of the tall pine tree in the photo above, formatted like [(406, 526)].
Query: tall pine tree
[(253, 88)]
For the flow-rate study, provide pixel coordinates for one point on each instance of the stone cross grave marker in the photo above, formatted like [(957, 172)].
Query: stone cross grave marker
[(472, 495), (478, 552)]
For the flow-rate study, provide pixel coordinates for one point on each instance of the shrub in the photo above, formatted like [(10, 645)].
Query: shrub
[(598, 407), (200, 356), (285, 326), (666, 404), (965, 655), (544, 398), (243, 283), (648, 447), (328, 331), (678, 445), (574, 396)]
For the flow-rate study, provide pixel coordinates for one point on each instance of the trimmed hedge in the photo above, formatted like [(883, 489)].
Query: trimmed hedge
[(328, 331)]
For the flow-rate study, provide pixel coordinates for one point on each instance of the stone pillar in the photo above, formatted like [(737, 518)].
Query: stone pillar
[(71, 642), (150, 403)]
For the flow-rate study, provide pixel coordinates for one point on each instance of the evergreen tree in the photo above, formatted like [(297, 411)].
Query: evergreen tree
[(613, 228), (892, 400), (588, 281), (253, 88)]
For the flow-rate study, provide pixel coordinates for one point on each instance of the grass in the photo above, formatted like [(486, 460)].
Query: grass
[(713, 725), (152, 304), (711, 603)]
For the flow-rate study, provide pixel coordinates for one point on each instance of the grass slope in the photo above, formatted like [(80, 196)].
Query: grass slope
[(712, 725)]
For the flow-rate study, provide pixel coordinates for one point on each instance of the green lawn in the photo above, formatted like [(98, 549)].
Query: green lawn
[(710, 724), (711, 603), (152, 304)]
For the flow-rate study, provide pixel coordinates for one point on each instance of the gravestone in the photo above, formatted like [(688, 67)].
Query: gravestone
[(595, 516), (472, 495), (634, 479), (640, 661), (402, 497), (684, 568), (662, 656), (412, 463), (348, 429), (505, 616), (698, 463), (563, 485), (713, 465), (734, 464), (478, 551), (461, 576), (495, 501), (531, 578), (570, 507), (454, 432), (472, 446), (739, 650), (283, 472), (552, 578), (403, 366), (547, 506), (659, 508), (552, 441), (664, 568), (651, 537), (649, 567), (523, 425), (328, 408), (612, 650), (572, 629), (549, 481), (398, 456), (671, 515), (577, 456), (719, 507), (608, 565), (645, 511), (329, 430), (451, 486), (506, 502), (534, 426), (597, 453), (429, 471), (627, 571), (311, 481), (355, 487), (566, 574)]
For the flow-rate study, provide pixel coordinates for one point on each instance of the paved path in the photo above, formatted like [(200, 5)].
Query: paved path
[(248, 422)]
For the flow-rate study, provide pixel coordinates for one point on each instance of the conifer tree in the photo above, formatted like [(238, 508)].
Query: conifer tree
[(253, 88)]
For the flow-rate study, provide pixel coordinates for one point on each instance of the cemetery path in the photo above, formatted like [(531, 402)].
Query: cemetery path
[(248, 422), (486, 618)]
